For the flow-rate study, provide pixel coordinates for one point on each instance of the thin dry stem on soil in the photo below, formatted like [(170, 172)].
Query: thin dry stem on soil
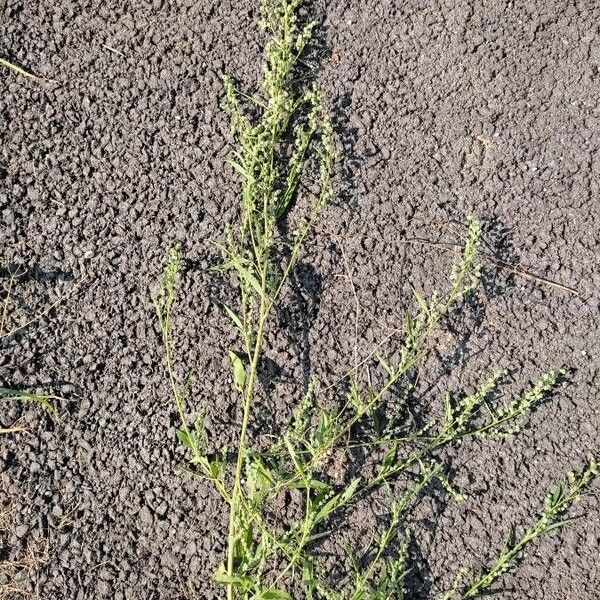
[(23, 72), (15, 573)]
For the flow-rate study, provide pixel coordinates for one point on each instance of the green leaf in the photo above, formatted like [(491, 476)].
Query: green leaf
[(296, 460), (238, 168), (560, 524), (354, 395), (234, 318), (40, 399), (557, 495), (389, 457), (186, 438), (215, 469), (386, 366), (259, 478), (337, 501), (274, 595), (239, 581), (324, 428), (313, 484), (251, 279), (239, 371), (421, 302)]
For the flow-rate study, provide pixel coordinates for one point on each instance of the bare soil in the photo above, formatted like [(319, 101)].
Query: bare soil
[(442, 109)]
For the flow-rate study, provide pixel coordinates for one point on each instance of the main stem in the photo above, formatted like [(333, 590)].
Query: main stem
[(241, 454)]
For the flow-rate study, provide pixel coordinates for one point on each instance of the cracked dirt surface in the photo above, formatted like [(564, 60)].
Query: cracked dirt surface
[(442, 109)]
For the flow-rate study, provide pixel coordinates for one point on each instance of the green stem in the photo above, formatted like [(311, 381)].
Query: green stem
[(241, 454)]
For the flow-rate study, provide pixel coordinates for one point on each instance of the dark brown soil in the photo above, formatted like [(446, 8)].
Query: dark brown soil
[(442, 109)]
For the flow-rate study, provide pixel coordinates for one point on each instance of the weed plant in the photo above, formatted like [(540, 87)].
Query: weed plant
[(285, 138)]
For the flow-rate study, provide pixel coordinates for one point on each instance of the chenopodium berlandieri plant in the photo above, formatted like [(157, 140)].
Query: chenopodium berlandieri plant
[(286, 147)]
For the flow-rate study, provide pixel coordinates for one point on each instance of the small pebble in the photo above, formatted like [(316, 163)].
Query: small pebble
[(21, 531), (145, 516)]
